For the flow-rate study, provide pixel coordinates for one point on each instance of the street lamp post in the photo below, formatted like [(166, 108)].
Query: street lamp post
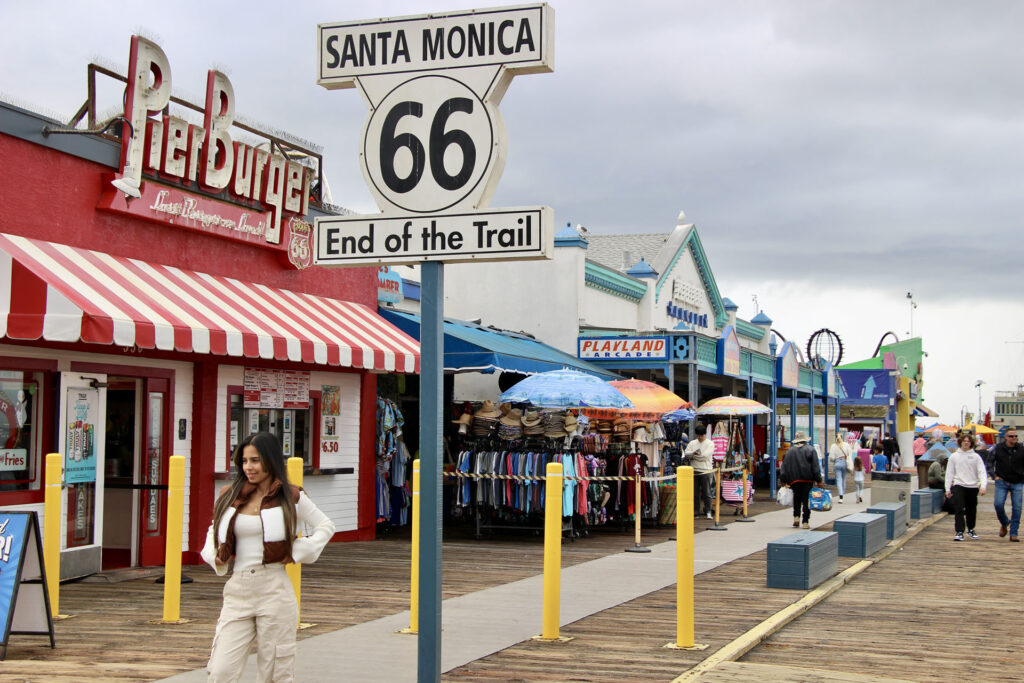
[(910, 296), (977, 385)]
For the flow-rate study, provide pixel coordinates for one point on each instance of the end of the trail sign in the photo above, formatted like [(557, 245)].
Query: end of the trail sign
[(496, 235), (519, 38)]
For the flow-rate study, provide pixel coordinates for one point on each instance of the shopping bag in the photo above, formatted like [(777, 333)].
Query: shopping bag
[(784, 496), (821, 499)]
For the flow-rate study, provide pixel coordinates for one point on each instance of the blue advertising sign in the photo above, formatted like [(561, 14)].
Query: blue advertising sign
[(80, 435), (24, 600), (867, 386), (12, 540)]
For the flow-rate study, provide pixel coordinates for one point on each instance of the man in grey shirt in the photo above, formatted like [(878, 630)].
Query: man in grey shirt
[(700, 452)]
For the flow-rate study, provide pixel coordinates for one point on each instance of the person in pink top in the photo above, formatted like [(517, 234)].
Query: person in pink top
[(920, 446)]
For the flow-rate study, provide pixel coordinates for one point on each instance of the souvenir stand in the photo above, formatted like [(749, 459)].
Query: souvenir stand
[(648, 436), (502, 457), (672, 457), (393, 473), (730, 445)]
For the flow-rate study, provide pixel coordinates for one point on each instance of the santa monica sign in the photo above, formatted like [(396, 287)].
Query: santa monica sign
[(433, 144)]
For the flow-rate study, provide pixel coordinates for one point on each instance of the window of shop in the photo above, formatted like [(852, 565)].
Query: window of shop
[(21, 400), (293, 426)]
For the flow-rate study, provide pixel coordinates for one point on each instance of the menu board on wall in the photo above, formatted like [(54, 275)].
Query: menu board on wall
[(265, 388)]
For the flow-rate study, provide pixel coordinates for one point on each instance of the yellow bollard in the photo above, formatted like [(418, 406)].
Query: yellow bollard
[(637, 548), (552, 554), (718, 492), (744, 518), (51, 530), (414, 573), (295, 570), (172, 552), (684, 563), (718, 500)]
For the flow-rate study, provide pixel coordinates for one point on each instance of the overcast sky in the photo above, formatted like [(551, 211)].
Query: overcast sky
[(833, 155)]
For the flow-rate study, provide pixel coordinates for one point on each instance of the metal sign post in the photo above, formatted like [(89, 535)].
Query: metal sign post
[(432, 153)]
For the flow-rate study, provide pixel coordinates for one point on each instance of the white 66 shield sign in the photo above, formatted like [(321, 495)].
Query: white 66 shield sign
[(429, 145), (433, 145)]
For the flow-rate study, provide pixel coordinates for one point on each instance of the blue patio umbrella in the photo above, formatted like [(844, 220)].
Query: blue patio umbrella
[(566, 389), (680, 415)]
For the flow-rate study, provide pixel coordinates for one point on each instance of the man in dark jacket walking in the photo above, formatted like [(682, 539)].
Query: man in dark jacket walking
[(1009, 475), (801, 471)]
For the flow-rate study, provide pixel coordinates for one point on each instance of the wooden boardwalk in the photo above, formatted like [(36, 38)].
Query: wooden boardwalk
[(934, 610)]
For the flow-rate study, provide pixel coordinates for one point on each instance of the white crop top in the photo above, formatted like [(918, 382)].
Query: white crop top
[(248, 541)]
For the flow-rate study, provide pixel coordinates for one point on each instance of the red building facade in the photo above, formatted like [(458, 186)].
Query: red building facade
[(174, 322)]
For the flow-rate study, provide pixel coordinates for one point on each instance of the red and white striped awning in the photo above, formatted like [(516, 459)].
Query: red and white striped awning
[(66, 294)]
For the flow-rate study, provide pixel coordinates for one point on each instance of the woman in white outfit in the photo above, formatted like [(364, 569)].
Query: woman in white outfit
[(966, 479), (839, 461), (255, 520)]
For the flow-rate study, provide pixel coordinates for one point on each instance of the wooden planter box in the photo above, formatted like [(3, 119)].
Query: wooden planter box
[(802, 560), (860, 534), (896, 517)]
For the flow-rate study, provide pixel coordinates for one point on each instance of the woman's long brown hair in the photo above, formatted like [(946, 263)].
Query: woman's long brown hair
[(272, 458)]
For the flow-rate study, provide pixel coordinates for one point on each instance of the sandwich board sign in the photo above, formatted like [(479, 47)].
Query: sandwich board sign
[(433, 145), (24, 600)]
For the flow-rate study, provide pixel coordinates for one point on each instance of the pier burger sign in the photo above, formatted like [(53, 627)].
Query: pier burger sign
[(268, 193), (433, 145)]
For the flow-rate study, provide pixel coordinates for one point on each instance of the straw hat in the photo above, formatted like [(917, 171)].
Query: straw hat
[(800, 437), (464, 421), (554, 423), (514, 417), (488, 409), (571, 424), (531, 418)]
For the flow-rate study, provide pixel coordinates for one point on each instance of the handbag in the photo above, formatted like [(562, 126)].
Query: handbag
[(821, 499), (784, 496)]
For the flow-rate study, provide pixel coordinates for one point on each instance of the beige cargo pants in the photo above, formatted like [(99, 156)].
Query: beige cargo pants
[(259, 607)]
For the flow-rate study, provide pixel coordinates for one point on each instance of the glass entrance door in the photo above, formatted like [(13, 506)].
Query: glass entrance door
[(134, 511), (121, 497)]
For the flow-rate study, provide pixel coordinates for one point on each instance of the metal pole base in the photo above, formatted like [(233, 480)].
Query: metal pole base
[(695, 646), (716, 528), (560, 639), (638, 549), (745, 519), (166, 623), (184, 579)]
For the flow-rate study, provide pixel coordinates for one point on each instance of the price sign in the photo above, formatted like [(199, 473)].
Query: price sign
[(434, 145)]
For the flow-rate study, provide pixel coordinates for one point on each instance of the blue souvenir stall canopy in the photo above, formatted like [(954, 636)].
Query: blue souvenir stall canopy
[(469, 347)]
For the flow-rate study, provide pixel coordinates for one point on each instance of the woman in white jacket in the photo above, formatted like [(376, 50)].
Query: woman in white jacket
[(839, 462), (966, 479), (255, 521)]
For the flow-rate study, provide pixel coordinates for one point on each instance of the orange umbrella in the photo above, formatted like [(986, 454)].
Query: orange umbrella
[(650, 401), (941, 429)]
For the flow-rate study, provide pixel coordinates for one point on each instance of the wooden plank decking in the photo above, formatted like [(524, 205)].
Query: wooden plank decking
[(877, 626)]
